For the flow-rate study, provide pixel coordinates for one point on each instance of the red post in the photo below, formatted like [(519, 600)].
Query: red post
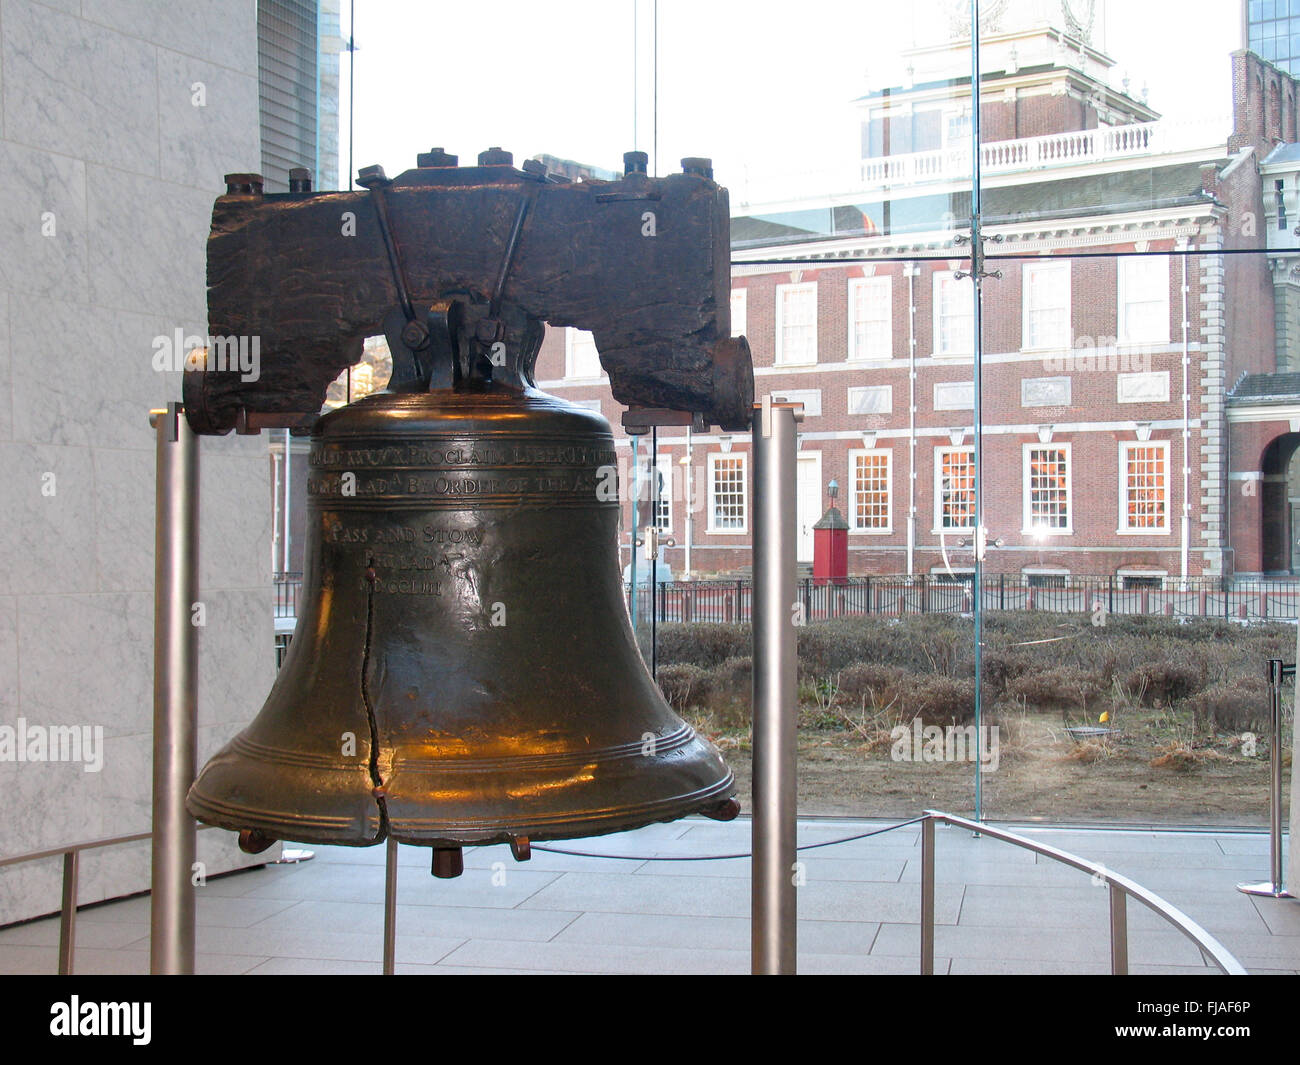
[(831, 548)]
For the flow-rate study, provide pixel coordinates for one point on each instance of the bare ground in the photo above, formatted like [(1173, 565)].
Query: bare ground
[(839, 775)]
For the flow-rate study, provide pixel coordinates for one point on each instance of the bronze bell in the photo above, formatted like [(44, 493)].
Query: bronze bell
[(463, 670)]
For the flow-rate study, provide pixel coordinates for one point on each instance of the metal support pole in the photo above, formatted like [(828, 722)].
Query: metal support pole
[(927, 897), (1118, 931), (68, 914), (390, 907), (175, 692), (1273, 888), (775, 614)]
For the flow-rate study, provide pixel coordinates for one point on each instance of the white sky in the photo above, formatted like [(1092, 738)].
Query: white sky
[(758, 85)]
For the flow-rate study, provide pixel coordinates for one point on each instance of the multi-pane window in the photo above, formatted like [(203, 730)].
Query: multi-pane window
[(954, 488), (1046, 300), (1144, 299), (727, 483), (796, 323), (1144, 487), (581, 357), (662, 494), (739, 311), (1047, 488), (869, 491), (954, 319), (870, 318)]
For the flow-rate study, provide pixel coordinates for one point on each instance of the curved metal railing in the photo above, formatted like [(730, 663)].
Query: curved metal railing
[(1121, 887)]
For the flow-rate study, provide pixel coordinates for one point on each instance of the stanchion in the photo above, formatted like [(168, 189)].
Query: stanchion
[(1273, 887), (175, 692), (775, 614), (390, 907)]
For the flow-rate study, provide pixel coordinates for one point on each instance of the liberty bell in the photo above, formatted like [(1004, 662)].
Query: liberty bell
[(463, 670)]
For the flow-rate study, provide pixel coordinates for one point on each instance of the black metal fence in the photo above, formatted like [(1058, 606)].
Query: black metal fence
[(924, 594), (732, 600), (287, 588)]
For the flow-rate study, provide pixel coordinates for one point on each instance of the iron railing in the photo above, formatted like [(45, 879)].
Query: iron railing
[(287, 587), (71, 855), (896, 594), (1207, 597), (1120, 889)]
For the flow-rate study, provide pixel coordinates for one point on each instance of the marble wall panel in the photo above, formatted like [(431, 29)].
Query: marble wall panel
[(43, 228), (205, 111), (81, 89), (46, 523), (138, 264), (224, 33)]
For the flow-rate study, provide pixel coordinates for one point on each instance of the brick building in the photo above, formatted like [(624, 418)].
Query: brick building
[(1111, 342)]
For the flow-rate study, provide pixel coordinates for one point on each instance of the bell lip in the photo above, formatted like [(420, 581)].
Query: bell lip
[(589, 824)]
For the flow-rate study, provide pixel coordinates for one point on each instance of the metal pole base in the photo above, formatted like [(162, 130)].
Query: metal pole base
[(1267, 890)]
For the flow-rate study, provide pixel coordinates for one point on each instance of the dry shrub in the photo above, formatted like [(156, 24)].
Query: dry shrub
[(940, 700), (1164, 678), (1182, 757), (1064, 687), (731, 692), (1237, 705), (701, 643), (684, 686), (1088, 751), (874, 686), (1001, 667)]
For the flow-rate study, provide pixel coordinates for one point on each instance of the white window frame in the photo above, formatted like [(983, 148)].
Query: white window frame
[(1027, 526), (1029, 271), (664, 464), (886, 284), (1138, 571), (739, 311), (939, 454), (571, 342), (1125, 447), (938, 280), (804, 288), (1045, 571), (714, 458), (1125, 336), (852, 494)]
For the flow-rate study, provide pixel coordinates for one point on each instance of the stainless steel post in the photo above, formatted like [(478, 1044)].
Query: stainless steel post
[(775, 615), (390, 907), (68, 914), (1273, 888), (175, 692), (927, 897), (1118, 931)]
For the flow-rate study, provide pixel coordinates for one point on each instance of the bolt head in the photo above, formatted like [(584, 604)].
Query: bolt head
[(370, 176)]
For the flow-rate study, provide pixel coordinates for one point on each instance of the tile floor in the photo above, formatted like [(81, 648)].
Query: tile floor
[(998, 909)]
